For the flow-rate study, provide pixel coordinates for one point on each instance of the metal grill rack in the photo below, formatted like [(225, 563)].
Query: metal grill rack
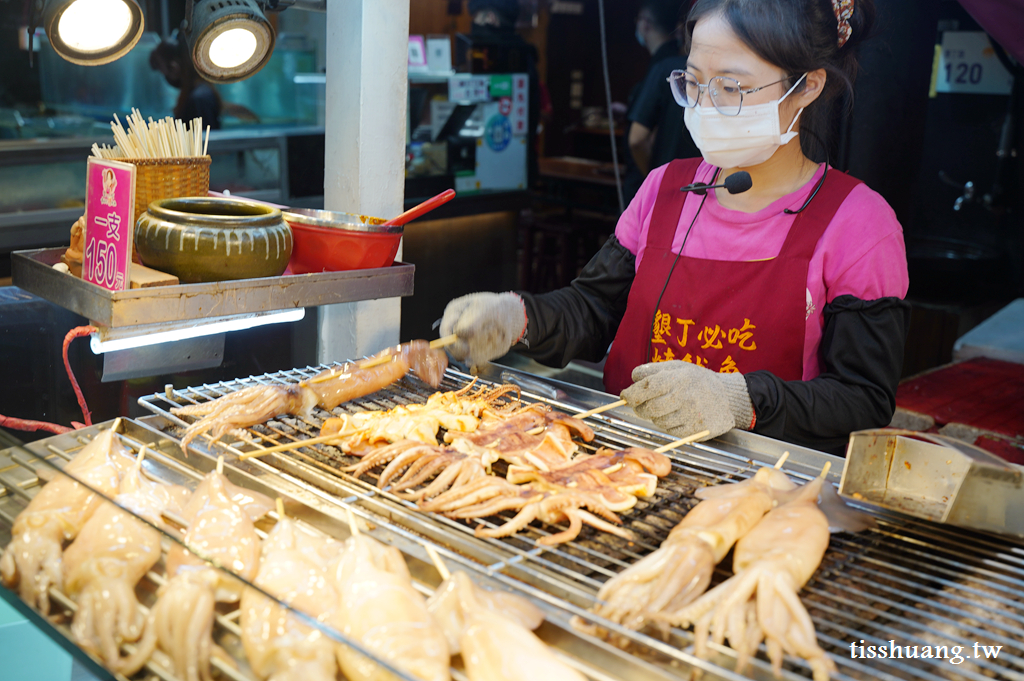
[(912, 582), (20, 480)]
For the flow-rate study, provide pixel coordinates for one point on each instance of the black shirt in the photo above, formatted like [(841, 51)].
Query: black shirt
[(652, 106)]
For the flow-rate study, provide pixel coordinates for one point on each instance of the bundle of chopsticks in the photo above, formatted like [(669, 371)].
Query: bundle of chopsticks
[(165, 138)]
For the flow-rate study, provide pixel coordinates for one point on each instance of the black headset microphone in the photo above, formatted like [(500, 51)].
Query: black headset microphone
[(737, 183)]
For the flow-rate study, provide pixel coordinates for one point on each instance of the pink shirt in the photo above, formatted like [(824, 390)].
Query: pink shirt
[(861, 253)]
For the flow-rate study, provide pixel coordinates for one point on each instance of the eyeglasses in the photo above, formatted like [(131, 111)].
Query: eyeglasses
[(726, 93)]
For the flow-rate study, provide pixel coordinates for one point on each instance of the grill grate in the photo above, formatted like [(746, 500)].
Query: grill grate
[(912, 582)]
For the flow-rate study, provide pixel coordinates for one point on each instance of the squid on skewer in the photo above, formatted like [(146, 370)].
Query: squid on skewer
[(32, 561), (220, 527), (111, 554), (772, 562), (493, 633), (589, 491), (680, 569), (294, 569), (446, 606), (455, 411), (469, 454), (379, 607), (328, 389)]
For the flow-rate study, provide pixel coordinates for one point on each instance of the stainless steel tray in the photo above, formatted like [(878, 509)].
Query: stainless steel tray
[(33, 271)]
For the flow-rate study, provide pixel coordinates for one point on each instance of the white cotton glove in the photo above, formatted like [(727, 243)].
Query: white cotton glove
[(487, 324), (683, 398)]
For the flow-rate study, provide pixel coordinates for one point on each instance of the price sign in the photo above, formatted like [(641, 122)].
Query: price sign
[(109, 223), (968, 64)]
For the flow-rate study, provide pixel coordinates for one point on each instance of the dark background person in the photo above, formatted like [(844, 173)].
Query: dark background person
[(197, 99), (494, 24), (656, 132), (649, 119)]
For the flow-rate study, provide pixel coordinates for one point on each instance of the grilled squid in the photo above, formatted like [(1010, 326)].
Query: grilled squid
[(771, 563), (379, 607), (108, 558), (328, 389), (220, 518), (32, 561), (680, 570)]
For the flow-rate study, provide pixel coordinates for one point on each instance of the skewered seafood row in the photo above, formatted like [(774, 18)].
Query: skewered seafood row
[(32, 561), (294, 568), (771, 563), (111, 554), (680, 569), (468, 456), (492, 631), (379, 607), (455, 411), (592, 486), (220, 520), (328, 389)]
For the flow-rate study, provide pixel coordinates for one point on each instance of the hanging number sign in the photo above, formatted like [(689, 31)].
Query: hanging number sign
[(109, 223)]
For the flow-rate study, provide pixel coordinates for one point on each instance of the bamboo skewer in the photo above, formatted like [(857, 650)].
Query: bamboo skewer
[(782, 460), (435, 557), (601, 409), (584, 414), (279, 503), (683, 441), (290, 445), (165, 138), (825, 469)]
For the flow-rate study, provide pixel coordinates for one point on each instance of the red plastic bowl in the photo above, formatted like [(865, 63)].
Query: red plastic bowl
[(327, 241)]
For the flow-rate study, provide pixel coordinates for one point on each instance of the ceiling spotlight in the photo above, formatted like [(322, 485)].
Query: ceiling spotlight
[(92, 32), (229, 39)]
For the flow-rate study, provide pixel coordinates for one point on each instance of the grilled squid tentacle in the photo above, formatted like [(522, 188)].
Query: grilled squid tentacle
[(521, 520)]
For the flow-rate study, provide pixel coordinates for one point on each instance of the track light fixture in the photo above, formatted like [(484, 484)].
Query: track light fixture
[(229, 40), (91, 32)]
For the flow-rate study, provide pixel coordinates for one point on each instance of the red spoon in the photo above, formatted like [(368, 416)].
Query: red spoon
[(425, 207)]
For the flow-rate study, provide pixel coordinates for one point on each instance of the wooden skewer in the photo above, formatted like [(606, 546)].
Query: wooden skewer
[(782, 459), (174, 518), (684, 441), (142, 455), (600, 410), (584, 414), (280, 508), (442, 342), (442, 569), (289, 445), (825, 469), (353, 528), (220, 465)]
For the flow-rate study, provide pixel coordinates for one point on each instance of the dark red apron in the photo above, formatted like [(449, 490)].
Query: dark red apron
[(725, 315)]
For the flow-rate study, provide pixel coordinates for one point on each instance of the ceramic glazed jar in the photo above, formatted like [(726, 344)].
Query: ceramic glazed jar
[(203, 238)]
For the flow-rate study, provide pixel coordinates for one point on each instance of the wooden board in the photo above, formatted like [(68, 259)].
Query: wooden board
[(145, 277)]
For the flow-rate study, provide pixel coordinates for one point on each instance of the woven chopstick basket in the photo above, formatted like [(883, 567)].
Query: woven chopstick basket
[(168, 178)]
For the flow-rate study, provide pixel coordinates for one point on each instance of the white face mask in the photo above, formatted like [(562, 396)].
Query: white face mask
[(740, 141)]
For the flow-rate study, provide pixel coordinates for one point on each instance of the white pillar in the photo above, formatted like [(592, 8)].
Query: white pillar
[(364, 173)]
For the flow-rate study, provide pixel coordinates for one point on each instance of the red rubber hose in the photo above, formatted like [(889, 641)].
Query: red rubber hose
[(24, 424), (78, 332)]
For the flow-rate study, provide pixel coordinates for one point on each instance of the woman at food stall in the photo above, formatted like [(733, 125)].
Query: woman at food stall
[(778, 309)]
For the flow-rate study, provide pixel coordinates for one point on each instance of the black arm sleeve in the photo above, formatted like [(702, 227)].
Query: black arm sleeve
[(861, 358), (580, 320)]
